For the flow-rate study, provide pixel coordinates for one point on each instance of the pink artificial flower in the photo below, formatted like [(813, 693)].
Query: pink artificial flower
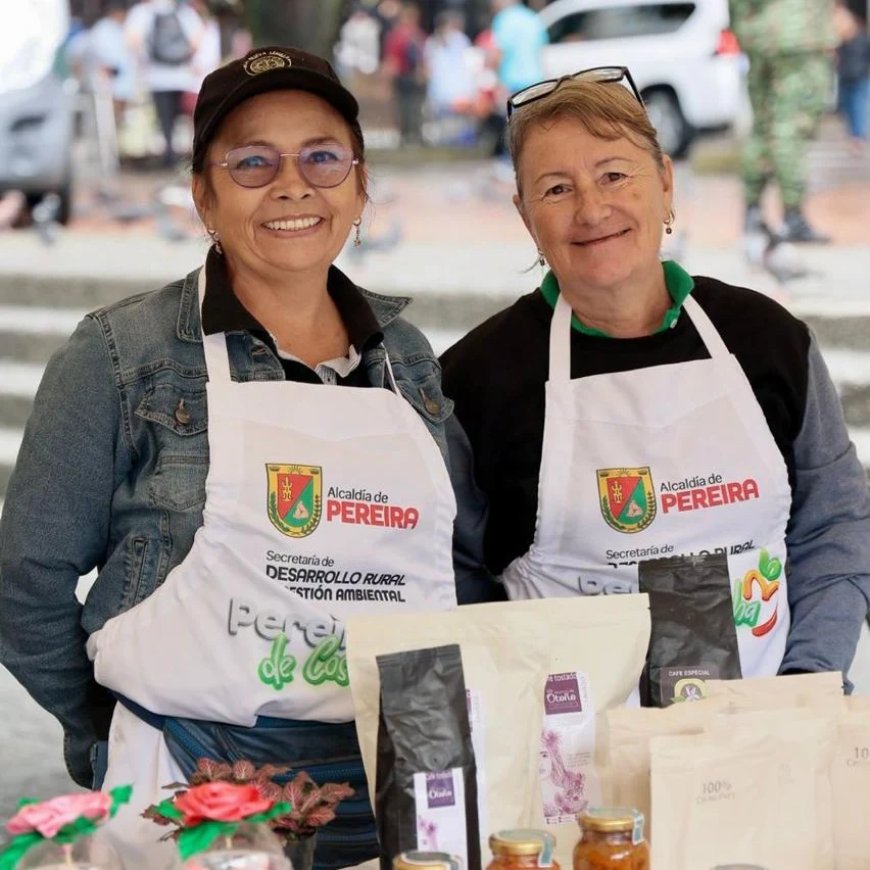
[(221, 802), (50, 816)]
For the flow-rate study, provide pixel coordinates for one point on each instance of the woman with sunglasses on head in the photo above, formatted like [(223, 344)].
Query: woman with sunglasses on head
[(626, 410), (247, 457)]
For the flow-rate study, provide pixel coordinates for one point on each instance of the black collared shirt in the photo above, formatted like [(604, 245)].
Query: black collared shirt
[(222, 311)]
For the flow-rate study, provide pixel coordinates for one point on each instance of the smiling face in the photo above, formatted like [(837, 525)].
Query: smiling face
[(594, 207), (288, 225)]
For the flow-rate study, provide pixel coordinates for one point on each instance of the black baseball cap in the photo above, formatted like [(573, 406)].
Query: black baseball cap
[(272, 68)]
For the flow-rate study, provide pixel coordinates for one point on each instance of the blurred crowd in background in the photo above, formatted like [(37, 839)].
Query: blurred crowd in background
[(424, 75), (433, 73)]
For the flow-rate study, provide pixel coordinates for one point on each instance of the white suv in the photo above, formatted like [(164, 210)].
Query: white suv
[(682, 56)]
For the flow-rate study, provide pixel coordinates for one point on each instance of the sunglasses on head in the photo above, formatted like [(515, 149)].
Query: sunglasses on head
[(321, 165), (603, 74)]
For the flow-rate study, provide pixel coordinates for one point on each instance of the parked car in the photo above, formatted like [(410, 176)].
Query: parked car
[(36, 113), (684, 59)]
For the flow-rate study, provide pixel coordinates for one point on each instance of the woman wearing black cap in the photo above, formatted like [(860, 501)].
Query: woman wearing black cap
[(235, 509)]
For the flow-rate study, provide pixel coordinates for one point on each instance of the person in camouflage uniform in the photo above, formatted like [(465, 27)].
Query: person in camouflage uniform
[(789, 45)]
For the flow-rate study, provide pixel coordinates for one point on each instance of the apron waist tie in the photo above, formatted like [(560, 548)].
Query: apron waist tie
[(327, 751)]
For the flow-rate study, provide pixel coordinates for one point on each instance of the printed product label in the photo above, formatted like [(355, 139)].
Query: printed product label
[(439, 799), (685, 684), (569, 782), (476, 721)]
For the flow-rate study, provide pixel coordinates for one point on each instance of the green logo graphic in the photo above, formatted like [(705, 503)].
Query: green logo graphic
[(326, 662), (277, 669)]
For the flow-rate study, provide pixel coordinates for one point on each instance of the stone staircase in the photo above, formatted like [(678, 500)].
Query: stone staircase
[(38, 313)]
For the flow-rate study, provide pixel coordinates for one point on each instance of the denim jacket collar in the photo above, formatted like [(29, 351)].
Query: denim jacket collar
[(189, 328)]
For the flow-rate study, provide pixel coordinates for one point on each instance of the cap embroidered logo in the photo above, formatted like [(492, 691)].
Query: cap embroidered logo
[(266, 61)]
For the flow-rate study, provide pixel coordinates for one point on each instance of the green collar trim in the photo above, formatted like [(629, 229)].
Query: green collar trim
[(678, 281)]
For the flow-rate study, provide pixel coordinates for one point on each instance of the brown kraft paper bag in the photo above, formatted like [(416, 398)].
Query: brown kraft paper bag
[(744, 792), (509, 649), (793, 690), (850, 784), (624, 750)]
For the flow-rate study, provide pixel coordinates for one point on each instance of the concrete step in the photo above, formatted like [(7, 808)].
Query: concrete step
[(850, 371), (31, 333), (10, 441)]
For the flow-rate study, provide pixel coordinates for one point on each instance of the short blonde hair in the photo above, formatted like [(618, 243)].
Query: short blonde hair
[(608, 110)]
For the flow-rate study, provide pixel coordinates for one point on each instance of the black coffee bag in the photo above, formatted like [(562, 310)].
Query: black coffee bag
[(425, 766), (693, 637)]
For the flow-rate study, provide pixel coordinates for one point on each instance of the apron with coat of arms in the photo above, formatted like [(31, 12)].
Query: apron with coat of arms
[(662, 461), (320, 503)]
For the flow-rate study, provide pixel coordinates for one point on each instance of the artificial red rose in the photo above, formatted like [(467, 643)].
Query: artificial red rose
[(220, 802)]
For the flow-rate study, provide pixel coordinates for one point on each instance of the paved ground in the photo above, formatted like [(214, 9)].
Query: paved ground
[(441, 233)]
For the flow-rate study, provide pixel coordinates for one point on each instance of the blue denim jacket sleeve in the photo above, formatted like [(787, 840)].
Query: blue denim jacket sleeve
[(828, 537), (55, 528), (108, 477)]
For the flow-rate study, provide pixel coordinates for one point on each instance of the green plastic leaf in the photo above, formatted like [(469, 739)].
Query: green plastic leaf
[(120, 796), (167, 808), (17, 847), (198, 838), (81, 827), (282, 808)]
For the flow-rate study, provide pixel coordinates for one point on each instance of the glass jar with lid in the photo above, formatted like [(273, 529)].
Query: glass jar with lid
[(416, 860), (522, 849), (612, 839)]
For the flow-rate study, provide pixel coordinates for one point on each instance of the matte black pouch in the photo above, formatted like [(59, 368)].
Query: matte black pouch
[(693, 637), (423, 728)]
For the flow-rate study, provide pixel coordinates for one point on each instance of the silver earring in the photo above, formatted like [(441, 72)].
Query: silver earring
[(215, 239), (669, 222), (357, 241), (541, 261)]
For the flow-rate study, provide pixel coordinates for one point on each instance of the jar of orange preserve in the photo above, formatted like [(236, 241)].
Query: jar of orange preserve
[(522, 849), (612, 840)]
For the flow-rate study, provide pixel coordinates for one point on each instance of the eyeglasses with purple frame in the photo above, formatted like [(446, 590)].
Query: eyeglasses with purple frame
[(322, 164)]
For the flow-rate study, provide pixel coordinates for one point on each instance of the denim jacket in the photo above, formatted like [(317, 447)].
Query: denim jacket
[(111, 476)]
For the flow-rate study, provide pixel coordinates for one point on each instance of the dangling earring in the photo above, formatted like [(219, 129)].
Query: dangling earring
[(669, 222), (357, 241), (541, 261), (215, 239)]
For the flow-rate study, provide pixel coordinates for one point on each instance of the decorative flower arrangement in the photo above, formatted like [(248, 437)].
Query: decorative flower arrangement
[(222, 795), (63, 820), (203, 814)]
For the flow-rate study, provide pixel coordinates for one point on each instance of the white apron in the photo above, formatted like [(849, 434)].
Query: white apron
[(657, 462), (320, 503)]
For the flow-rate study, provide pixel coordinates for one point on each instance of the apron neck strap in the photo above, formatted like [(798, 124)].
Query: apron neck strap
[(709, 334), (560, 336), (217, 360), (560, 341)]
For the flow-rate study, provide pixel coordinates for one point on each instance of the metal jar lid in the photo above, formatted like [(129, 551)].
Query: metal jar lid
[(414, 860), (524, 842), (613, 820)]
